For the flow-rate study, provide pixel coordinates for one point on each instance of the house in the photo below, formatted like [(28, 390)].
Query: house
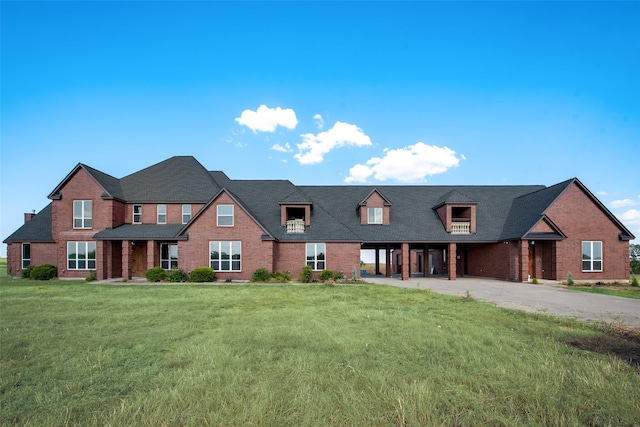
[(177, 214)]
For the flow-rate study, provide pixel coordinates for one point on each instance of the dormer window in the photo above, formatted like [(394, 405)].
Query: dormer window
[(375, 208), (457, 213), (296, 217), (374, 215)]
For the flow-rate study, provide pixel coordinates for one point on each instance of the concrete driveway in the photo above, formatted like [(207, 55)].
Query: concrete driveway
[(547, 298)]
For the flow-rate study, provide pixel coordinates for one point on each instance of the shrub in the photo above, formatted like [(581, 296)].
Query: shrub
[(156, 274), (26, 272), (634, 281), (178, 275), (534, 281), (326, 275), (338, 275), (44, 272), (202, 274), (280, 277), (306, 275), (570, 281), (91, 277), (260, 275)]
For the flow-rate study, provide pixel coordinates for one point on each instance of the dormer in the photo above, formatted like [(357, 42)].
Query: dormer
[(295, 212), (375, 208), (457, 213)]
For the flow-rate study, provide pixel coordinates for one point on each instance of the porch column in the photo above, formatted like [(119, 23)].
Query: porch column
[(451, 261), (406, 259), (102, 259), (377, 260), (524, 260), (388, 261), (151, 255), (126, 259), (425, 261)]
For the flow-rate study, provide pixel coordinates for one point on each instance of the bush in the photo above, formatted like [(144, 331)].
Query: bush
[(26, 272), (202, 274), (570, 281), (634, 281), (156, 274), (280, 277), (178, 275), (44, 272), (260, 275), (91, 277), (326, 275), (306, 275), (338, 276)]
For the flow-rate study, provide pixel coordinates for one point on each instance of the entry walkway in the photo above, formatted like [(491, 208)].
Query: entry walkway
[(547, 297)]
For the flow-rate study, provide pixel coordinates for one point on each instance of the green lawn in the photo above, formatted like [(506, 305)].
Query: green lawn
[(82, 354), (627, 292)]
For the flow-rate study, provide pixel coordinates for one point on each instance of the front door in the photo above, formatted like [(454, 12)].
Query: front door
[(138, 256)]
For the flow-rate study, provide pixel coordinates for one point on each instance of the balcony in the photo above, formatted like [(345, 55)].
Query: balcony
[(460, 226), (295, 226)]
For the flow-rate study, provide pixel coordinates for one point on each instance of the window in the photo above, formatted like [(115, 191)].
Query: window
[(374, 215), (316, 256), (137, 214), (186, 213), (591, 256), (225, 215), (26, 255), (82, 214), (81, 255), (162, 214), (168, 256), (225, 256)]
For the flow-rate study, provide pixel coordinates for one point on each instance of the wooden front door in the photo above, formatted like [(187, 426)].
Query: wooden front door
[(138, 256)]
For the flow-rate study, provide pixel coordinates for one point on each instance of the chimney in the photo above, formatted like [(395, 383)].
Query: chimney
[(29, 216)]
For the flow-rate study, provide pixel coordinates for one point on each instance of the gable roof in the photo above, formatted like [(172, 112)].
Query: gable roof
[(38, 229), (386, 201)]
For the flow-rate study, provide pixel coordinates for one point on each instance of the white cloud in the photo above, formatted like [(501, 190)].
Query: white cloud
[(284, 149), (266, 119), (622, 203), (631, 219), (409, 164), (319, 121), (314, 147)]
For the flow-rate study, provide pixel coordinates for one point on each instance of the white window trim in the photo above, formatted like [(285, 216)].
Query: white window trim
[(82, 217), (218, 216), (186, 208), (158, 213), (219, 260), (592, 260), (87, 259), (315, 261), (369, 216), (168, 260), (23, 259), (134, 214)]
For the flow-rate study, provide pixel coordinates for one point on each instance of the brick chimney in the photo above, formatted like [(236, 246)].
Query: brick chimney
[(29, 216)]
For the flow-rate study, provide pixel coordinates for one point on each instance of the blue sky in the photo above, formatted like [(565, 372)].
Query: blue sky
[(323, 93)]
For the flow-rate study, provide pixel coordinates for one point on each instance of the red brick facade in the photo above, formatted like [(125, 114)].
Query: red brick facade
[(574, 217)]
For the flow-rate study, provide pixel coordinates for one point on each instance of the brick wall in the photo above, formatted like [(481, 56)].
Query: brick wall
[(582, 220), (256, 253)]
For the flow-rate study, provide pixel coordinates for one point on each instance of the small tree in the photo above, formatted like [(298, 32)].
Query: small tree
[(306, 275)]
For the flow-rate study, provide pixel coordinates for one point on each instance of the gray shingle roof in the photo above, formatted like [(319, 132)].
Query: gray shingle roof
[(179, 179), (36, 230), (141, 232), (502, 212)]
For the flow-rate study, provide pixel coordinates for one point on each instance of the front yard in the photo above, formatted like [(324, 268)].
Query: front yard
[(73, 353)]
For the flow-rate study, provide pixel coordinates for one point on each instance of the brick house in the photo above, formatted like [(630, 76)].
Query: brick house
[(177, 214)]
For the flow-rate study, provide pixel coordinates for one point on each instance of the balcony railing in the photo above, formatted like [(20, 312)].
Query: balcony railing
[(295, 226), (459, 227)]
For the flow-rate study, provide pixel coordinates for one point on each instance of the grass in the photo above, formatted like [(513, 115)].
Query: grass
[(618, 291), (74, 353)]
